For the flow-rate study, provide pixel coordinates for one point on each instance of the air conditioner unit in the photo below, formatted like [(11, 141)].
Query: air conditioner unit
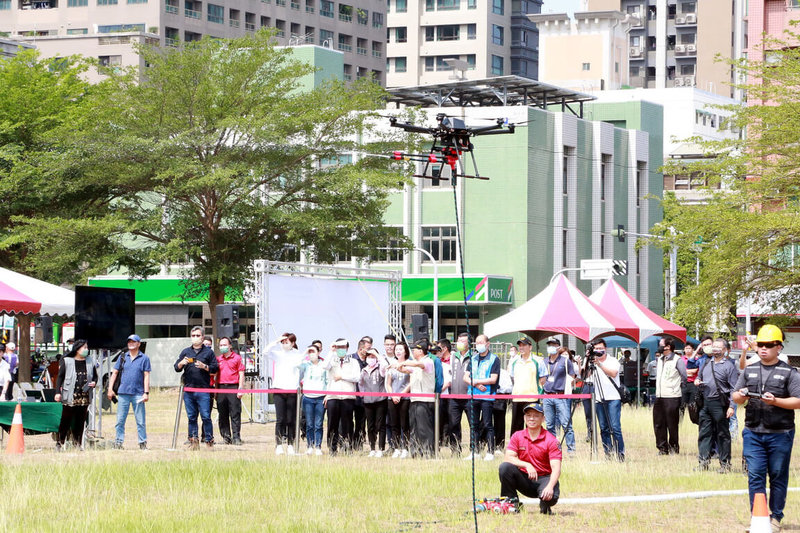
[(678, 82), (691, 49), (680, 49), (635, 51), (680, 20), (691, 18), (688, 81)]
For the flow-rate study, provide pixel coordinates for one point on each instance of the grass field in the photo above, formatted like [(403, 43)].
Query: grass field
[(248, 488)]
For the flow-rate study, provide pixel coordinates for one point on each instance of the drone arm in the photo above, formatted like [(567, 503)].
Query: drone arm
[(410, 127)]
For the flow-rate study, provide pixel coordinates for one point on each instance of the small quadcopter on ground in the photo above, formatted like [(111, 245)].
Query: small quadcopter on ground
[(451, 139)]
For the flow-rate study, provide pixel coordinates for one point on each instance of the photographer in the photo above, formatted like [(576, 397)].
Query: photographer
[(771, 389), (609, 406)]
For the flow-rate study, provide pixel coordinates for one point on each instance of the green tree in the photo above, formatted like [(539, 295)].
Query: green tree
[(747, 235), (217, 156)]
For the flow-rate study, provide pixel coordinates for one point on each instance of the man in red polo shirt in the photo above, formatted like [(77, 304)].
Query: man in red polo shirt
[(532, 464), (229, 405)]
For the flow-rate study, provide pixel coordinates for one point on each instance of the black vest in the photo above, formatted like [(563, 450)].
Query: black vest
[(774, 379)]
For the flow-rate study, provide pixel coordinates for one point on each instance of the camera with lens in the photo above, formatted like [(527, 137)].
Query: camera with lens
[(591, 353)]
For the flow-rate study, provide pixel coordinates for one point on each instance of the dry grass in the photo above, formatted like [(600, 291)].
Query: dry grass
[(247, 488)]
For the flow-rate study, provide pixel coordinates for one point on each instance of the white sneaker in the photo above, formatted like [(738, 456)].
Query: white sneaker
[(309, 451), (372, 453), (489, 457), (403, 454), (289, 450), (318, 451), (278, 450), (470, 456), (379, 453), (499, 453), (396, 453)]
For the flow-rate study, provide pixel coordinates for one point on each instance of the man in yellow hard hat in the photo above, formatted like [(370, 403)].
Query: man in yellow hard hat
[(771, 389), (768, 330)]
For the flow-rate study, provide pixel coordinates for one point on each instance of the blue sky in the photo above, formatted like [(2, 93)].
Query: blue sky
[(561, 6)]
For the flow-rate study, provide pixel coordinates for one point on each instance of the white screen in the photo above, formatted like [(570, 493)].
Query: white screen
[(326, 309)]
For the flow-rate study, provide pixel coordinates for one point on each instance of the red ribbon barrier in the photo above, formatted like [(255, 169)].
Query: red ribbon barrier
[(392, 395)]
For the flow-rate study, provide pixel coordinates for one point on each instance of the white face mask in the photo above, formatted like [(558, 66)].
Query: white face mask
[(551, 350), (708, 350), (287, 346), (313, 357), (481, 348), (461, 346), (371, 362)]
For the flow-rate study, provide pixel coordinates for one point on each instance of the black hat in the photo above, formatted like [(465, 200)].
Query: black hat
[(421, 345), (525, 340), (534, 405), (553, 340)]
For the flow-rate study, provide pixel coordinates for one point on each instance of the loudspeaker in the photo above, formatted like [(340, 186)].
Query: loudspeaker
[(419, 326), (44, 330), (228, 321), (104, 317)]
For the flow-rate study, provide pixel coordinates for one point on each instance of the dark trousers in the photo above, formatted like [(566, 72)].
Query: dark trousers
[(714, 423), (359, 424), (376, 429), (587, 408), (229, 408), (513, 480), (399, 423), (666, 418), (482, 411), (285, 413), (444, 425), (455, 409), (420, 416), (73, 419), (686, 396), (517, 416), (499, 423), (340, 424)]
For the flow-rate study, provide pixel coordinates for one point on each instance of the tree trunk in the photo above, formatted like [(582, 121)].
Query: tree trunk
[(24, 347), (216, 296)]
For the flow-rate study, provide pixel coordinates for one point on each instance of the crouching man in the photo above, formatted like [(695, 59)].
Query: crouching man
[(532, 463)]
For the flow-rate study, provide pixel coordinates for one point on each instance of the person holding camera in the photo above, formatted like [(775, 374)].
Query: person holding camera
[(198, 363), (609, 408), (717, 378), (771, 390), (557, 411)]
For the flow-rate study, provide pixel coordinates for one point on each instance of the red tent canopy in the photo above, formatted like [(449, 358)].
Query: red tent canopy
[(561, 308), (613, 298)]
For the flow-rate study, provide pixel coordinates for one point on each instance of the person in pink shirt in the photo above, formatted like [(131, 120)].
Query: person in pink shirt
[(532, 463), (229, 405)]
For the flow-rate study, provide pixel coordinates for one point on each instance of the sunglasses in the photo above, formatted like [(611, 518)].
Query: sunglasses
[(767, 344)]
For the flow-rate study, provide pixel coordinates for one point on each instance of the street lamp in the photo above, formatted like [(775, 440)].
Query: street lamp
[(435, 291)]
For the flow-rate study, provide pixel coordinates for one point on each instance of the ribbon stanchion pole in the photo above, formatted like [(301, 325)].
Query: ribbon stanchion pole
[(177, 418), (297, 421), (436, 416)]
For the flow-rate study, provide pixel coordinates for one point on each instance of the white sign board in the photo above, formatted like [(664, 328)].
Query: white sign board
[(597, 268)]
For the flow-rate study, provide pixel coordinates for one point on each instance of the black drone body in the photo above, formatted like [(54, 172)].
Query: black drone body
[(451, 139)]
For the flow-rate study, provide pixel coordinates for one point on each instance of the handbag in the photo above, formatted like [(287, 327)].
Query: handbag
[(695, 405), (624, 393), (117, 381)]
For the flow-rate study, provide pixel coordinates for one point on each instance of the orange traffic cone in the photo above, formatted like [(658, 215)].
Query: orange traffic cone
[(16, 440), (759, 522)]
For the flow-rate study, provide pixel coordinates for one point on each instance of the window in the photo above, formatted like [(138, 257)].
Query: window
[(441, 65), (5, 5), (444, 5), (447, 33), (641, 180), (400, 64), (586, 66), (688, 38), (440, 242), (345, 43), (471, 31), (497, 7), (497, 34), (429, 5), (110, 61), (430, 32), (565, 172), (309, 6), (687, 70), (326, 8), (78, 3), (137, 1), (602, 246), (429, 64), (77, 31), (497, 65), (120, 27), (688, 7), (216, 13), (635, 41), (393, 251), (472, 4), (564, 248), (345, 13), (362, 16), (377, 20), (471, 61), (401, 34), (326, 38), (401, 6)]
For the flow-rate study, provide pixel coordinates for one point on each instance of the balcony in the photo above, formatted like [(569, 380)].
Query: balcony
[(172, 43), (377, 53), (295, 6), (686, 19), (361, 51), (309, 9), (345, 47), (344, 17), (249, 26), (192, 14), (234, 23), (172, 10)]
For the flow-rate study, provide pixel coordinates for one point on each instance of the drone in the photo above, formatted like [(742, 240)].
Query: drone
[(451, 139)]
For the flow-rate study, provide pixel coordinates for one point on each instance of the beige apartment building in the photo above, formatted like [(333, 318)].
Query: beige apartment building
[(675, 42), (438, 41), (106, 28)]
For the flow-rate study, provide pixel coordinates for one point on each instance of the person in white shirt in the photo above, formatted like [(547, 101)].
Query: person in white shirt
[(606, 381), (343, 375), (284, 361)]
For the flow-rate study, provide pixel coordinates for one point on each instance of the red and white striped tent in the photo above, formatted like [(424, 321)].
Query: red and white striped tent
[(561, 309), (24, 295), (616, 300)]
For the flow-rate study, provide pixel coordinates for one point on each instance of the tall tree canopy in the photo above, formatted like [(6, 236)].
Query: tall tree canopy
[(218, 155), (747, 235)]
